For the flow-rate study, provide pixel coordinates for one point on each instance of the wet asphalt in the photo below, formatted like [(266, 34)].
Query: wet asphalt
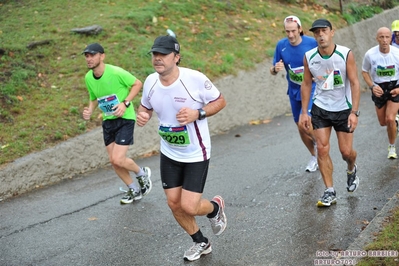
[(259, 170)]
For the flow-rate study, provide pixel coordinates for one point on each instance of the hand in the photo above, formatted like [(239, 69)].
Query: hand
[(142, 118), (279, 66), (304, 121), (377, 91), (86, 113), (119, 110), (186, 116), (395, 92), (352, 122)]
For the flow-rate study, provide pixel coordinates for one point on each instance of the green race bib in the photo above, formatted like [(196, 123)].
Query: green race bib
[(175, 136)]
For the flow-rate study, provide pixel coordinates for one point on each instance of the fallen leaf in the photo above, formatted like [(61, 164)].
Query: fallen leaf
[(254, 122)]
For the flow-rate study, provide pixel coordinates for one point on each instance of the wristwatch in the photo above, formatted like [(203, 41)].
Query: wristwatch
[(127, 103), (201, 114), (371, 87), (356, 113)]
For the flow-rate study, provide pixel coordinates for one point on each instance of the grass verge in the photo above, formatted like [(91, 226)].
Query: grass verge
[(43, 90)]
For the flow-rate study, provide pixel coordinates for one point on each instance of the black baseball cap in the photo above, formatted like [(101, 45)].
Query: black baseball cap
[(93, 48), (166, 45), (320, 23)]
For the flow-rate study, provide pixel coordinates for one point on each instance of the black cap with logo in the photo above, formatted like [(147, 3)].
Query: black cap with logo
[(320, 23), (94, 48), (166, 45)]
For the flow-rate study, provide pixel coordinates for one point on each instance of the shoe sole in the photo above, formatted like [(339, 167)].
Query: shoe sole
[(357, 186), (312, 170), (150, 182), (205, 252), (133, 200), (220, 201), (392, 157), (321, 204)]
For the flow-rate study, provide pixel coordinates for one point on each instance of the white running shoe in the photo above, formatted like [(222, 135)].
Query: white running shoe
[(219, 222), (145, 181), (312, 165), (392, 152), (130, 196), (197, 250)]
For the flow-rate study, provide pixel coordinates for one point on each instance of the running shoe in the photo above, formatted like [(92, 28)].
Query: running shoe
[(219, 222), (392, 152), (197, 250), (145, 181), (312, 165), (327, 199), (131, 196), (352, 180)]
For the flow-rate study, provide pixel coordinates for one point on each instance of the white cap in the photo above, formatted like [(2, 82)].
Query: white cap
[(294, 19)]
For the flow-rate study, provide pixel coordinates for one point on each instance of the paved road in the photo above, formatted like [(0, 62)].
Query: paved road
[(260, 172)]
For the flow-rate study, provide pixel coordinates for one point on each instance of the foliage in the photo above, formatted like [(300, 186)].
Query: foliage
[(388, 240), (43, 92), (355, 13)]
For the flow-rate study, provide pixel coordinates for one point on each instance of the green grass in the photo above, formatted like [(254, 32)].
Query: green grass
[(43, 92), (387, 239)]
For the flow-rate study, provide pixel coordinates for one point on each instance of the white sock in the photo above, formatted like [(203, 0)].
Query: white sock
[(134, 187), (141, 172)]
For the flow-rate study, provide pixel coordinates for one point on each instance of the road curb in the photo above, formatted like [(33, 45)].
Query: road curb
[(375, 226)]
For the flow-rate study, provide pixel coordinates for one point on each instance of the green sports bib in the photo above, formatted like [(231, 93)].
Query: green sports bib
[(175, 136)]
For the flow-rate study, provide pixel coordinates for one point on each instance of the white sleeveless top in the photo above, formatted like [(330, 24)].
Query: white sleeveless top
[(333, 90)]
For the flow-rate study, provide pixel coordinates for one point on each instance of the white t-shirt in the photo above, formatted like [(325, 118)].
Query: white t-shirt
[(382, 67), (190, 143)]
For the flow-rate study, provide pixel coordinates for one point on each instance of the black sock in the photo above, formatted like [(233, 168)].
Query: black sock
[(215, 210), (198, 237)]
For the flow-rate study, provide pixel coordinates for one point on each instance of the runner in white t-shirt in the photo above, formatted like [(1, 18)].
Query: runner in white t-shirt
[(183, 98), (380, 70)]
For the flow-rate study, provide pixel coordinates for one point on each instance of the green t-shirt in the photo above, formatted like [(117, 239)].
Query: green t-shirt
[(110, 89)]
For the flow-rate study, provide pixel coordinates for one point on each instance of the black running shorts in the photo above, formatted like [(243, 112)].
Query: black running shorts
[(189, 176), (386, 96), (322, 118), (118, 130)]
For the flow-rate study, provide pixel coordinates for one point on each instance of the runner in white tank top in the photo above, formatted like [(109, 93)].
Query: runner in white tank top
[(335, 105)]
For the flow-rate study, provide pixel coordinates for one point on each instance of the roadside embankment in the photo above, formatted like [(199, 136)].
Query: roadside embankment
[(250, 95)]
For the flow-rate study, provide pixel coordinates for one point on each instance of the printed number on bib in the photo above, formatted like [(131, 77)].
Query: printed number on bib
[(175, 136), (296, 74), (334, 80), (388, 71), (106, 104)]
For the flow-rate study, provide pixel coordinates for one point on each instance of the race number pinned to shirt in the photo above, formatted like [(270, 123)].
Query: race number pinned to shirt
[(333, 80), (296, 74), (388, 71), (175, 136), (106, 104)]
